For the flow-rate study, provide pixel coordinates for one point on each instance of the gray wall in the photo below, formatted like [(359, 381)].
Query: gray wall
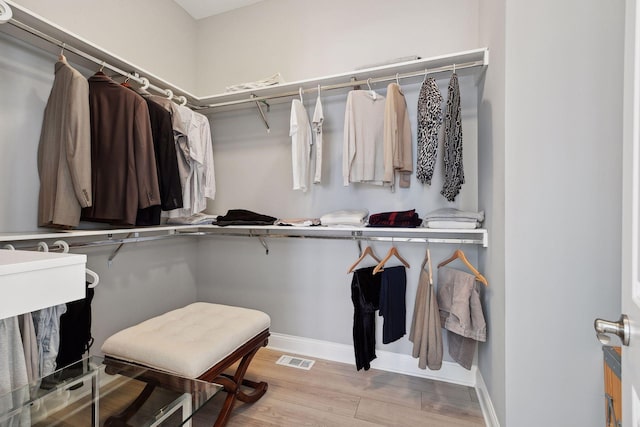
[(563, 203), (304, 39), (551, 135), (156, 35)]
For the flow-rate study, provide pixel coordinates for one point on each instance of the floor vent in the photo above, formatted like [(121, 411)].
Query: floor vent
[(295, 362)]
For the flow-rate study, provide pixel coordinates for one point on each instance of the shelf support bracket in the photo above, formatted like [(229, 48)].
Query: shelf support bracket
[(116, 250), (264, 118), (263, 241)]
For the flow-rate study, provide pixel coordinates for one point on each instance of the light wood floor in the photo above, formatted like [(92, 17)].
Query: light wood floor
[(335, 394)]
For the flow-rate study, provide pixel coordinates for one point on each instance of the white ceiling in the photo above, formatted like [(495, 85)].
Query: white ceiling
[(203, 8)]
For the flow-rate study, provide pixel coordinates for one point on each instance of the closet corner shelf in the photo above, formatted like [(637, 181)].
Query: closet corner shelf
[(103, 237), (466, 63)]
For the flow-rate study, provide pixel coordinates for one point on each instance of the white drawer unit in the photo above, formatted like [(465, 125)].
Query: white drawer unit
[(32, 280)]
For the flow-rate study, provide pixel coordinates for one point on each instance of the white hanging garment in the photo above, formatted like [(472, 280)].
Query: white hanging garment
[(363, 149), (318, 119), (300, 132)]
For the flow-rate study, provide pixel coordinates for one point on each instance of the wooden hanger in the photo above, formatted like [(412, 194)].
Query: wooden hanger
[(458, 254), (427, 262), (367, 251), (392, 252)]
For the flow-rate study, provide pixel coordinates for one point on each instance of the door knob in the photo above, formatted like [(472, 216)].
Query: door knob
[(620, 328)]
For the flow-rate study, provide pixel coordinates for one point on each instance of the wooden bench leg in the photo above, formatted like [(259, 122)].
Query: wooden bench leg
[(122, 418), (232, 385)]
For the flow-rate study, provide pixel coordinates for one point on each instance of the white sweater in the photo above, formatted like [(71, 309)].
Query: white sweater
[(363, 149)]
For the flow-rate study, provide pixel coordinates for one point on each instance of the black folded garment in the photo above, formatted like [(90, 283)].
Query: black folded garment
[(407, 219), (244, 217)]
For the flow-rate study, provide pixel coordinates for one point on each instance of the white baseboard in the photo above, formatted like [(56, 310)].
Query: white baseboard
[(489, 412), (385, 361)]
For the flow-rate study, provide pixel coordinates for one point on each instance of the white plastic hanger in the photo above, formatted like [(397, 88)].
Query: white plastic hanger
[(96, 279), (62, 245), (300, 93), (372, 93), (398, 82)]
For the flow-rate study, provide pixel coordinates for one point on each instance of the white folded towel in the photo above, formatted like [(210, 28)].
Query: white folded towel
[(345, 217)]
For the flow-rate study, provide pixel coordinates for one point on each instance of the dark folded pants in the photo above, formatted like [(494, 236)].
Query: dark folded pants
[(392, 303)]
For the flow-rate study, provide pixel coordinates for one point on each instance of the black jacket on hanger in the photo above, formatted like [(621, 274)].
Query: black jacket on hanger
[(166, 164)]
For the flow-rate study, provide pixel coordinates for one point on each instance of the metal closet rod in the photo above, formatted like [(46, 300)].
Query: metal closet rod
[(350, 83), (138, 239), (96, 243), (135, 77)]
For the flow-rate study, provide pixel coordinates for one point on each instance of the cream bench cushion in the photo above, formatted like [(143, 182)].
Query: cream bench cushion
[(187, 341)]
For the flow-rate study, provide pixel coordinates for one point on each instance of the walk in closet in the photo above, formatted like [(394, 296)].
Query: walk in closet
[(299, 275)]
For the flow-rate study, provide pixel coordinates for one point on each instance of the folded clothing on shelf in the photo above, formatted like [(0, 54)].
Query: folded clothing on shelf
[(244, 217), (269, 81), (453, 218), (195, 219), (352, 217), (452, 224), (407, 219), (298, 222)]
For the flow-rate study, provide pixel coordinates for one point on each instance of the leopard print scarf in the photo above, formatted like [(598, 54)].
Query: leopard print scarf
[(429, 123), (453, 170)]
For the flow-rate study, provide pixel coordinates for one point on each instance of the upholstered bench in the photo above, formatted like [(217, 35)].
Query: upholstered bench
[(201, 341)]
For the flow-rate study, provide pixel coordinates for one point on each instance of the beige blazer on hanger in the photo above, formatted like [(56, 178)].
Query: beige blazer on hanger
[(64, 151)]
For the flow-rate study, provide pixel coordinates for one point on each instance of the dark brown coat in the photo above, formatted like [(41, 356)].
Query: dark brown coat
[(123, 165)]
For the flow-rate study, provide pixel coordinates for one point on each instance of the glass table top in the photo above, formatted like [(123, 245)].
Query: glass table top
[(103, 392)]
